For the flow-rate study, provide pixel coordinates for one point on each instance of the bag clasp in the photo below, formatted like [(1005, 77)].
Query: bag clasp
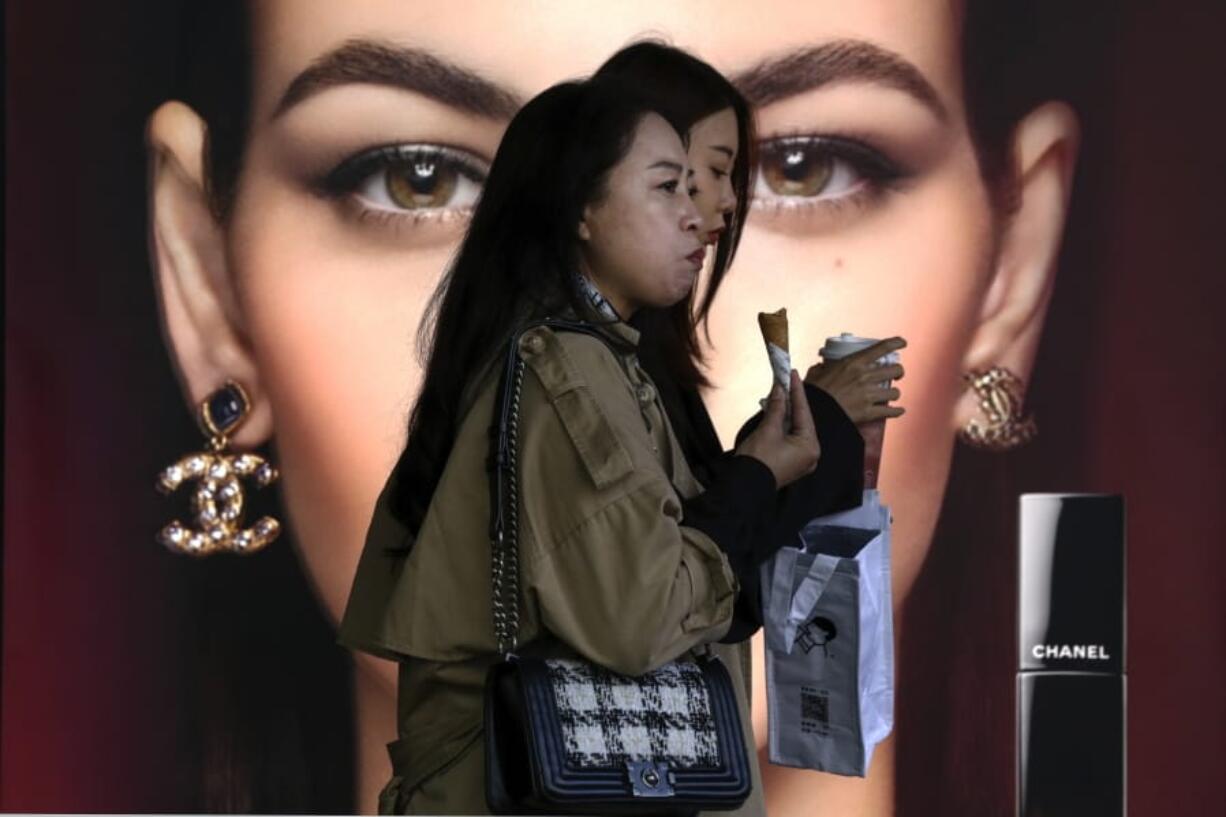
[(649, 778)]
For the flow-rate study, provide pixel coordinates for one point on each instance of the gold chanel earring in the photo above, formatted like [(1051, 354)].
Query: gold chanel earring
[(1000, 398), (218, 501)]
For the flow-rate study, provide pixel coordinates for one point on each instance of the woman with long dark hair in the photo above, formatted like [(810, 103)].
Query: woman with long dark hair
[(587, 215), (719, 132)]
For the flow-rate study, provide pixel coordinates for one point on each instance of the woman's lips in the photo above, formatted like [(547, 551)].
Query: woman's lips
[(698, 256)]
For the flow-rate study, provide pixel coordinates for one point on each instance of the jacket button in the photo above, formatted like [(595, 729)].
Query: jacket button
[(531, 344), (645, 393)]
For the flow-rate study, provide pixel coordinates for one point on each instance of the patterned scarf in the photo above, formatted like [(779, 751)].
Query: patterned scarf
[(598, 302)]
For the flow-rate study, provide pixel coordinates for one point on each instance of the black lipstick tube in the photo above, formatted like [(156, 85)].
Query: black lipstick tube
[(1071, 681)]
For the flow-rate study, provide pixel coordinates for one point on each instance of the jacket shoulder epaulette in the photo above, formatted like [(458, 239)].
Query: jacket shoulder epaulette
[(566, 366)]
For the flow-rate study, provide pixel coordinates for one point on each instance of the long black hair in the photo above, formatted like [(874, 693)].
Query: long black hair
[(687, 90), (518, 259)]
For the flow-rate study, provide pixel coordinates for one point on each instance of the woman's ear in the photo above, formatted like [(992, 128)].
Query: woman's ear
[(585, 232), (1043, 153), (201, 319)]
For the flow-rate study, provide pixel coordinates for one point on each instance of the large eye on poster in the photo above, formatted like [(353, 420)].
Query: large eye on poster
[(269, 267)]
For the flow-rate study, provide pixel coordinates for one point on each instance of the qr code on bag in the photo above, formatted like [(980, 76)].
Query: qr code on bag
[(814, 711)]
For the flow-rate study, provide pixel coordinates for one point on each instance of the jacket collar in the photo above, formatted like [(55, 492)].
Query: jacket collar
[(603, 316), (617, 330)]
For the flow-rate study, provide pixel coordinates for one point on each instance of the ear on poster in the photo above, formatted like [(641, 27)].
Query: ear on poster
[(1014, 307), (200, 313)]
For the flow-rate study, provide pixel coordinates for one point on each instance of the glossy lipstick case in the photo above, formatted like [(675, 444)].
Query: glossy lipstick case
[(1071, 682)]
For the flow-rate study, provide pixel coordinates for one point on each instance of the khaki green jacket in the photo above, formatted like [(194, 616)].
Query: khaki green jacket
[(607, 570)]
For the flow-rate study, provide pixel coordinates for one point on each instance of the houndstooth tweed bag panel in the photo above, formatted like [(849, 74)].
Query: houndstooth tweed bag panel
[(610, 719)]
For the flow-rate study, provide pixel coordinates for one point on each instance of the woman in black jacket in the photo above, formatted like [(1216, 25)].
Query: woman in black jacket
[(841, 394)]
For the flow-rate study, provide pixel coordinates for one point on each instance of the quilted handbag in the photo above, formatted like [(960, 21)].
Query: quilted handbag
[(566, 736)]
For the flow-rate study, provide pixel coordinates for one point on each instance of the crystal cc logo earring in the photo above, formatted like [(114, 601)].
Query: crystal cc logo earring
[(218, 501), (999, 392)]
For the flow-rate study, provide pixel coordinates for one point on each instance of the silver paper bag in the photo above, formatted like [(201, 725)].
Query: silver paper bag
[(829, 633)]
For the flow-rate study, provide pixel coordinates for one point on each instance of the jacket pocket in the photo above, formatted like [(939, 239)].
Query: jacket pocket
[(442, 780), (603, 455)]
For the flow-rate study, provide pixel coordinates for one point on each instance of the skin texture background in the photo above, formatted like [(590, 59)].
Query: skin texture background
[(105, 686)]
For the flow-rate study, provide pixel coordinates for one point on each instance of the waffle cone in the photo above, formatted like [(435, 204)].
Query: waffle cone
[(774, 326)]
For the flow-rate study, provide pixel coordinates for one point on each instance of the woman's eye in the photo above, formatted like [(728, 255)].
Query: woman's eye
[(807, 171), (415, 181), (670, 186)]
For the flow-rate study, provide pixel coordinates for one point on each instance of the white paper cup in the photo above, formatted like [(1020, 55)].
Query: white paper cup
[(842, 346)]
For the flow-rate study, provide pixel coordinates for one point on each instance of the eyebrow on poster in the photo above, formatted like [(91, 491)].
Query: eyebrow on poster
[(371, 62)]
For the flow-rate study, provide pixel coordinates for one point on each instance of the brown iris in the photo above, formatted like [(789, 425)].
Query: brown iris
[(423, 182), (796, 169)]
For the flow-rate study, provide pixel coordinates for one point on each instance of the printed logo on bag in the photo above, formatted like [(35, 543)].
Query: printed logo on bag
[(815, 711), (1096, 652), (818, 632)]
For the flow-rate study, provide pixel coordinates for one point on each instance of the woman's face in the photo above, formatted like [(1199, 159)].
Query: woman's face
[(372, 127), (640, 239), (713, 148)]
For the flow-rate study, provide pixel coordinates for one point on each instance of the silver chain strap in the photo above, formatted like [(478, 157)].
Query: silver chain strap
[(505, 558)]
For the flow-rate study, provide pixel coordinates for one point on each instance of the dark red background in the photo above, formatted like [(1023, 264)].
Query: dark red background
[(102, 631)]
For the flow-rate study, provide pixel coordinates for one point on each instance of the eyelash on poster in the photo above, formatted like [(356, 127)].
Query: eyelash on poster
[(880, 173), (345, 179)]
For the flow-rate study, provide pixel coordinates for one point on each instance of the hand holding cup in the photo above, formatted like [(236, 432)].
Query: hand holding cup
[(861, 385), (857, 373)]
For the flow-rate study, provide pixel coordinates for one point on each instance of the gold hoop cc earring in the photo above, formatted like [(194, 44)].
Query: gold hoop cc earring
[(1000, 398), (218, 501)]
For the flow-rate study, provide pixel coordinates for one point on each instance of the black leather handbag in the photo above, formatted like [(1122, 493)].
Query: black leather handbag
[(565, 736)]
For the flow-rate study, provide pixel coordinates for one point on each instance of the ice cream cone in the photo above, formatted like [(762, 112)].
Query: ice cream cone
[(774, 326)]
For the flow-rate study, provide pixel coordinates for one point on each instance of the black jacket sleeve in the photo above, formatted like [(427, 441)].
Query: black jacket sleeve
[(734, 510), (836, 484), (748, 526)]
